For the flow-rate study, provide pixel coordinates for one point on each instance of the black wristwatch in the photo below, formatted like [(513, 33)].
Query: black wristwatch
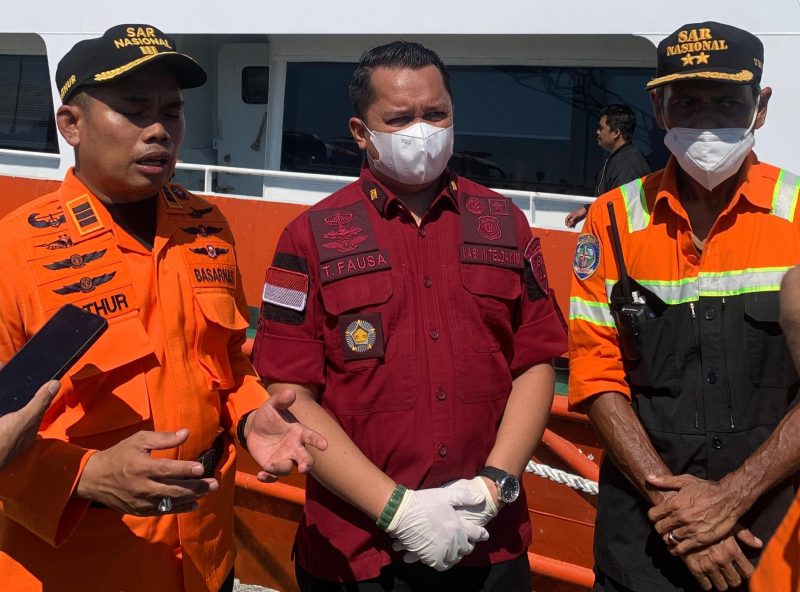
[(507, 484)]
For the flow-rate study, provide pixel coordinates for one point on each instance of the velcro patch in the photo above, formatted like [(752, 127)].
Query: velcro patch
[(587, 256), (285, 288), (362, 336)]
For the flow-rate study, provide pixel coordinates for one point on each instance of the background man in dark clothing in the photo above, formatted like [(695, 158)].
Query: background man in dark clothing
[(625, 161)]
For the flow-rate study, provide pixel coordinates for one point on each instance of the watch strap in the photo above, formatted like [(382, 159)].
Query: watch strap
[(493, 473), (240, 430)]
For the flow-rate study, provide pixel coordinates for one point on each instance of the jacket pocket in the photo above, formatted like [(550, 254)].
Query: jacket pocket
[(109, 390), (368, 294), (370, 380), (490, 298), (658, 364), (217, 319), (770, 363)]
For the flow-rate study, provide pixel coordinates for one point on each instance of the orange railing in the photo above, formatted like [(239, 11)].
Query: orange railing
[(540, 564)]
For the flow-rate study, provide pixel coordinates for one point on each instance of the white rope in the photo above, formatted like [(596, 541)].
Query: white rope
[(562, 477)]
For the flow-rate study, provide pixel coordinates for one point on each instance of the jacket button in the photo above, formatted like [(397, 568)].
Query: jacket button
[(428, 282), (711, 377), (423, 232), (710, 314), (441, 395), (434, 334), (442, 450), (716, 442)]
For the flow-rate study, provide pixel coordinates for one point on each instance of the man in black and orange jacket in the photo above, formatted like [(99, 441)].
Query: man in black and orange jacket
[(687, 380)]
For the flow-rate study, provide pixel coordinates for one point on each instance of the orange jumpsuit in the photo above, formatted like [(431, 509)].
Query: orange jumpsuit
[(779, 568), (171, 359)]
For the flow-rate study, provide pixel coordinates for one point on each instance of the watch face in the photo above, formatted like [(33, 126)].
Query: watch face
[(509, 489)]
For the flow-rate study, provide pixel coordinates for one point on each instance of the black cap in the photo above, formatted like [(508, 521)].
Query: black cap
[(709, 51), (120, 51)]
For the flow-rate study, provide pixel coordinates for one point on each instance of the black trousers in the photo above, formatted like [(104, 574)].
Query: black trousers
[(604, 584), (508, 576)]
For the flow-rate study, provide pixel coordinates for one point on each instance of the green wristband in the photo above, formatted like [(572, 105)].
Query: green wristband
[(390, 509)]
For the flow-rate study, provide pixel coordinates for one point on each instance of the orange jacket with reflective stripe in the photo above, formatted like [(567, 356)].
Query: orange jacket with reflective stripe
[(712, 375), (779, 568), (171, 359), (755, 240)]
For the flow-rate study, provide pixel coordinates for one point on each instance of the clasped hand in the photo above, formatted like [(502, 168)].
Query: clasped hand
[(698, 522), (429, 526), (698, 513)]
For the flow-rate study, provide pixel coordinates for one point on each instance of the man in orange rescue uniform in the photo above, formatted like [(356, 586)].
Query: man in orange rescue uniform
[(110, 497), (686, 377), (779, 568)]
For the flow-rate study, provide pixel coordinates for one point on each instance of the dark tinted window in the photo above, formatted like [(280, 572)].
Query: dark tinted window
[(517, 127), (255, 84), (26, 105), (316, 138)]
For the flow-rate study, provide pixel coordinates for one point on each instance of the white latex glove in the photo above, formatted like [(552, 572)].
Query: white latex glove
[(481, 513), (427, 526)]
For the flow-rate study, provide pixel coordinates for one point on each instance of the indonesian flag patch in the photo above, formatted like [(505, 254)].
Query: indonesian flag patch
[(288, 289)]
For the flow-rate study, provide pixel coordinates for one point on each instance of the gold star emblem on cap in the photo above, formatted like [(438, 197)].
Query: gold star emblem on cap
[(702, 58), (688, 59)]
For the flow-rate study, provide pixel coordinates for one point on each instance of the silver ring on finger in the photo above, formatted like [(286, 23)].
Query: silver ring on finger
[(672, 539), (165, 505)]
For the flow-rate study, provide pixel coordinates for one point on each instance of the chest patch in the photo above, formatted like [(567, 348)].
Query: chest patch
[(52, 219), (342, 231), (487, 221), (362, 336), (346, 243)]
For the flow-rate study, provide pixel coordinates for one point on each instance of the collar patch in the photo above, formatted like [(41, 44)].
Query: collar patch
[(82, 213)]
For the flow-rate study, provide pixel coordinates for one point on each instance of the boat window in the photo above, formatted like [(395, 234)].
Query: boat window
[(255, 85), (516, 127), (27, 121)]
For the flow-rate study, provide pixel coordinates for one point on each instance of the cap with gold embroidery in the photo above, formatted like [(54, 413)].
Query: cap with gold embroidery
[(120, 51), (709, 51)]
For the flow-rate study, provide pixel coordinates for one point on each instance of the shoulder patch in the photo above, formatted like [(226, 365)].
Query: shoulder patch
[(538, 272), (286, 288), (285, 292), (587, 256)]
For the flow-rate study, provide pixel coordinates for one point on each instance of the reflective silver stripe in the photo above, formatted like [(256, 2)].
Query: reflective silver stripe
[(635, 205), (731, 283), (719, 283), (784, 198), (593, 312), (677, 292)]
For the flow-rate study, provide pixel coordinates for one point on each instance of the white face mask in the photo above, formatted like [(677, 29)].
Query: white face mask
[(415, 155), (713, 155)]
